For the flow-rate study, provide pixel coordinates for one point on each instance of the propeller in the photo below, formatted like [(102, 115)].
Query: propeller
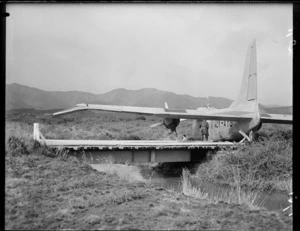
[(163, 122), (160, 123), (166, 105), (157, 124)]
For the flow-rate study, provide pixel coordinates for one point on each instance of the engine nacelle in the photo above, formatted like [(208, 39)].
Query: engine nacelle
[(196, 129), (171, 123)]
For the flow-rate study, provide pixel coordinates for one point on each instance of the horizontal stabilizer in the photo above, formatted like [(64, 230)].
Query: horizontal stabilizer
[(277, 118)]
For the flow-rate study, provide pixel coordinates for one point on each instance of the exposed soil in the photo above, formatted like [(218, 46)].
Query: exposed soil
[(57, 193)]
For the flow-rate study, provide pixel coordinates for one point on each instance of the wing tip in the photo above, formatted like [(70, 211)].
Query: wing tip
[(78, 107)]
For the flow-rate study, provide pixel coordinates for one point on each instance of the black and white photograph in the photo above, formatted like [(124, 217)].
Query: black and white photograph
[(149, 116)]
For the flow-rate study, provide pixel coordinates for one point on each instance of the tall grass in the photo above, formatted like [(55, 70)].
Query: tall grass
[(231, 195), (188, 188), (264, 164)]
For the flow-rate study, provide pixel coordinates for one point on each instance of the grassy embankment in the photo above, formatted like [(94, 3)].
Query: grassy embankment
[(47, 189), (262, 166)]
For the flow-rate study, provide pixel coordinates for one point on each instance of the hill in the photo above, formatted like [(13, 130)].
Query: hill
[(24, 97)]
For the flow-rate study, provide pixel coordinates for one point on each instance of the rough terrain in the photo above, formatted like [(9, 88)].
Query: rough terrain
[(49, 190), (62, 193)]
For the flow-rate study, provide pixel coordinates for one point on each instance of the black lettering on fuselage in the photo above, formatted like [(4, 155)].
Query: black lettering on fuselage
[(223, 123), (220, 130)]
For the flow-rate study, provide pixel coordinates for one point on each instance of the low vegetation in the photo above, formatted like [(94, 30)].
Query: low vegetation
[(46, 186), (45, 192), (265, 164), (50, 189), (90, 125), (232, 195)]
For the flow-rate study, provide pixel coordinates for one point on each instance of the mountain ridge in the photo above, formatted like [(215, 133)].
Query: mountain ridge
[(25, 97)]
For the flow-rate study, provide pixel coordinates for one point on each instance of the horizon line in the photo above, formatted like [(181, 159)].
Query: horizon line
[(270, 105)]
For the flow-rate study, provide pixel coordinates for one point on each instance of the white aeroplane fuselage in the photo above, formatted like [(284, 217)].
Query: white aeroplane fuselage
[(225, 130)]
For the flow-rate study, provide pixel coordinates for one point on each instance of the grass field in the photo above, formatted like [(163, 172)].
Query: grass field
[(92, 125), (46, 189)]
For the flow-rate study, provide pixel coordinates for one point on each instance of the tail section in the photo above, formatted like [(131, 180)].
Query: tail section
[(248, 90)]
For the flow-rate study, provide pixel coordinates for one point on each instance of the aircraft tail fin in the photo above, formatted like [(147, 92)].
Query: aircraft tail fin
[(248, 90)]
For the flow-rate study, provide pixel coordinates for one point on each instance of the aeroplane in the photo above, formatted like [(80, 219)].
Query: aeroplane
[(236, 123)]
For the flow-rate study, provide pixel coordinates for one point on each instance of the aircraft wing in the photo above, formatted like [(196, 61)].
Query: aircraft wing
[(166, 112), (276, 118)]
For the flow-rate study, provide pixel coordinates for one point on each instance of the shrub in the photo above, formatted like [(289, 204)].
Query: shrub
[(125, 136), (16, 146), (46, 151), (273, 132), (140, 118), (34, 144), (133, 137), (41, 149)]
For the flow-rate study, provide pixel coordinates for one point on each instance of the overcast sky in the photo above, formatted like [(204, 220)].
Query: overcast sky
[(194, 49)]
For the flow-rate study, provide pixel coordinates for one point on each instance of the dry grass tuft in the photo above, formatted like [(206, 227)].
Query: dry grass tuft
[(190, 190), (233, 195)]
